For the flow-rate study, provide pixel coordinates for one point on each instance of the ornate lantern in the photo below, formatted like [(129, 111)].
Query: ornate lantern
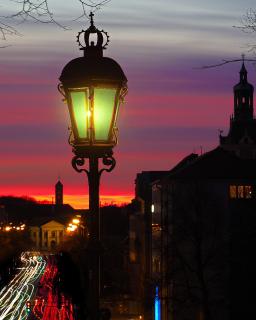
[(93, 86)]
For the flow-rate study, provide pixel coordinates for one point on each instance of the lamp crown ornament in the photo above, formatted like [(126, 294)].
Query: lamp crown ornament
[(89, 47)]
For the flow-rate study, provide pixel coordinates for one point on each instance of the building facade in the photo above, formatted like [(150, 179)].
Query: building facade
[(47, 235), (204, 223), (140, 242)]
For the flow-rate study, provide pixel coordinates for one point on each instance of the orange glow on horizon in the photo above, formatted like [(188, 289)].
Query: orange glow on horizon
[(81, 201)]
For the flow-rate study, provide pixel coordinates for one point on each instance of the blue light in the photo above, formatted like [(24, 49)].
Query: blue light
[(157, 306)]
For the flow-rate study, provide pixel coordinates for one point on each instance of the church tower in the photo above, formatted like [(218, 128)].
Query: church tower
[(241, 138), (243, 98), (59, 194)]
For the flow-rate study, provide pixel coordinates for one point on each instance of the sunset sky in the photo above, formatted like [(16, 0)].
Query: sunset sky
[(172, 109)]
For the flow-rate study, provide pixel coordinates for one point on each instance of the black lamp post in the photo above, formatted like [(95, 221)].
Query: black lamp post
[(93, 86)]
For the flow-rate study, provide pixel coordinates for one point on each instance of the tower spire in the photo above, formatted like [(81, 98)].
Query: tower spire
[(243, 72)]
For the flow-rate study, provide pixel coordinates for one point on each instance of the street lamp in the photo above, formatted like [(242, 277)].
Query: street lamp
[(93, 87)]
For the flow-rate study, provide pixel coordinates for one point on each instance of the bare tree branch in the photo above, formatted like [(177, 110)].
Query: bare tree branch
[(37, 10), (91, 6), (224, 62), (248, 21), (248, 25), (7, 30)]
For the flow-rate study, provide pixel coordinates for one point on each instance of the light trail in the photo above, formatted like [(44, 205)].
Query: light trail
[(38, 282), (51, 303), (21, 288)]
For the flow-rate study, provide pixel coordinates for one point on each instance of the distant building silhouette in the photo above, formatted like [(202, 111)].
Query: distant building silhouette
[(59, 194)]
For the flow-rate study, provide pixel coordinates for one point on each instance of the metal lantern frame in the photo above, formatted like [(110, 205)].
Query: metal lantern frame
[(91, 141)]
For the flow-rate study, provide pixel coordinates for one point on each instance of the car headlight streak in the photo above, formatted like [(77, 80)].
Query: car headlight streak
[(21, 288)]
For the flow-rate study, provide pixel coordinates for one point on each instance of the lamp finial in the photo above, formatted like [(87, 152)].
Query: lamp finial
[(91, 48), (91, 15)]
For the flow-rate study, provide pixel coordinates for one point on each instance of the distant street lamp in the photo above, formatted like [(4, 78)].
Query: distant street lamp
[(93, 86)]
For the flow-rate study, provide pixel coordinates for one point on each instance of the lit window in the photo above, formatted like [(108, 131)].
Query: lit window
[(248, 192), (156, 227), (232, 192), (132, 256), (240, 192), (152, 208)]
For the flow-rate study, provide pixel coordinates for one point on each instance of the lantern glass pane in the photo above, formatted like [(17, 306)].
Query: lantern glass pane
[(103, 113), (81, 112)]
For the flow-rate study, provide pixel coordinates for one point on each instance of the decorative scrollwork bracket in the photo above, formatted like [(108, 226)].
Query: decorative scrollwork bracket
[(62, 92), (107, 160), (77, 162)]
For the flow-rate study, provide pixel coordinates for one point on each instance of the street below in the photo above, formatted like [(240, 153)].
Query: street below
[(22, 288), (35, 291)]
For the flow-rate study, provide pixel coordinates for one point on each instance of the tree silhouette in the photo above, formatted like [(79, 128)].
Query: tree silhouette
[(39, 11), (194, 254), (249, 21), (248, 25)]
